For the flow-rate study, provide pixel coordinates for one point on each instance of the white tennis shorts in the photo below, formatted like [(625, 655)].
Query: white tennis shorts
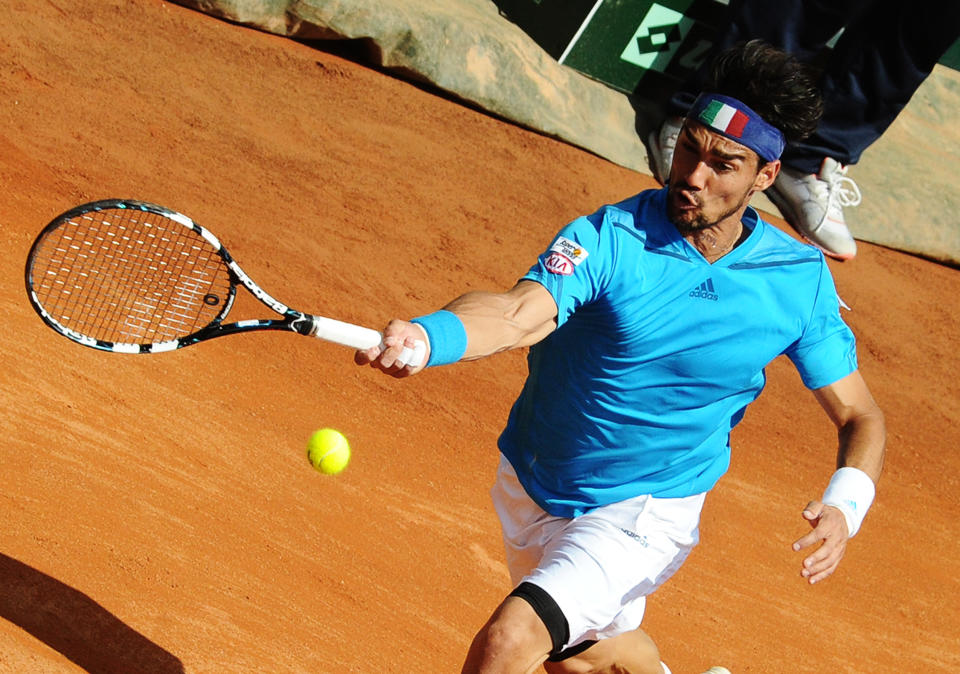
[(601, 566)]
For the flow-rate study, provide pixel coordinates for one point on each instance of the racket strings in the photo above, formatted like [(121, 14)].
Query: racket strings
[(130, 276)]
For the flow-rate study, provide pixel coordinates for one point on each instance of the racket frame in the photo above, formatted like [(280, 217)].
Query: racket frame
[(302, 323)]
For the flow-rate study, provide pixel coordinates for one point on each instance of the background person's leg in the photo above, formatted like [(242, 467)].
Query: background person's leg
[(881, 59), (802, 28)]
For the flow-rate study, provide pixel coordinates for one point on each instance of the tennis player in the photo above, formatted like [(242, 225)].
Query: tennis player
[(650, 324)]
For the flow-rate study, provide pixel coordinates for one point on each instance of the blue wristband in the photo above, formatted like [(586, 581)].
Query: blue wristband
[(448, 337)]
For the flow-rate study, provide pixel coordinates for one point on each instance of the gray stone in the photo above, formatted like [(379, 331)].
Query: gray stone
[(466, 48), (908, 178)]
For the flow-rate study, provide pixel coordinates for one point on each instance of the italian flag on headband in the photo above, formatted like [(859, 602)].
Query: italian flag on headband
[(724, 118), (734, 119)]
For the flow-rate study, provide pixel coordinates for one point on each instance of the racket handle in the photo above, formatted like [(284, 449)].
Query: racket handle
[(342, 333), (358, 337)]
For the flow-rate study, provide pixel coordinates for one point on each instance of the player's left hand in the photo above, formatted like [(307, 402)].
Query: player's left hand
[(829, 529)]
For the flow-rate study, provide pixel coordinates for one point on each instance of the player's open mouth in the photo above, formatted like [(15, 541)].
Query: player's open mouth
[(683, 200)]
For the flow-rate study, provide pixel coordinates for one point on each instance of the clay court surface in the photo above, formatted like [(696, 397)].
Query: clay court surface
[(158, 512)]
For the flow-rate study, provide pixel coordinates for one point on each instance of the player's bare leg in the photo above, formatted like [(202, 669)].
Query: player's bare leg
[(630, 653), (514, 641)]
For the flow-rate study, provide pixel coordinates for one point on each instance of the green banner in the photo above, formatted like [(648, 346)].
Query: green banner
[(624, 41)]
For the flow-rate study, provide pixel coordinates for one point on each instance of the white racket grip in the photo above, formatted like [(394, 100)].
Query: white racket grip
[(342, 333), (358, 337)]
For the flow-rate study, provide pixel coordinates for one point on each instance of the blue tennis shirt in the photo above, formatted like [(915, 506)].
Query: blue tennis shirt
[(657, 353)]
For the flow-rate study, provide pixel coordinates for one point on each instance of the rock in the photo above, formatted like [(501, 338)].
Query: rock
[(466, 48), (908, 178)]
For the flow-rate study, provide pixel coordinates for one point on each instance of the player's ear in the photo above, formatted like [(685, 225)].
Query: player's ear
[(766, 175)]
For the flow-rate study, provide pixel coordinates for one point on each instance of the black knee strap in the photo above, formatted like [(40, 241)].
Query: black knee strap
[(548, 611), (553, 619)]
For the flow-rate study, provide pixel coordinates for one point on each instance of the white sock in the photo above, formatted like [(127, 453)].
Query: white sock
[(666, 670)]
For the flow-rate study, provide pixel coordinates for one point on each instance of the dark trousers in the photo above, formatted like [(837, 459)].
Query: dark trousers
[(887, 49)]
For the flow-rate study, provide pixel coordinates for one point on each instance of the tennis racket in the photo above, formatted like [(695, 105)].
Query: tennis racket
[(133, 277)]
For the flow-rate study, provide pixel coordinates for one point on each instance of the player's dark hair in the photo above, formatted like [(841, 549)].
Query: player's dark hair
[(773, 83)]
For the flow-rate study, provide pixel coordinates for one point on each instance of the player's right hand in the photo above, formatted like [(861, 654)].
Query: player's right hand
[(404, 350)]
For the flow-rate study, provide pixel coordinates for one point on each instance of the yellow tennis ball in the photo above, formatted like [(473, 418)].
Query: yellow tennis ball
[(328, 451)]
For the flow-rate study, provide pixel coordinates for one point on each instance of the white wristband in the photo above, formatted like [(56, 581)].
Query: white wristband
[(852, 491)]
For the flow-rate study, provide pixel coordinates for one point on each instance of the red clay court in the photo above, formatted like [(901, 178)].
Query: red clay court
[(159, 513)]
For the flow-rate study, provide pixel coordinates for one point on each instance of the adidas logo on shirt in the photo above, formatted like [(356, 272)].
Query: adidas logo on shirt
[(705, 291)]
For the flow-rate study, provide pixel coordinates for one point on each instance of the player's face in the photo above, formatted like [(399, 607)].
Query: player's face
[(712, 178)]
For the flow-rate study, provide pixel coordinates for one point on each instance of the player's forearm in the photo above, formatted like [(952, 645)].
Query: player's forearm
[(852, 487), (497, 322), (861, 433), (862, 442), (860, 425)]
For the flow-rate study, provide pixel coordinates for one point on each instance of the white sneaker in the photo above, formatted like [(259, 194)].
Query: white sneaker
[(813, 205), (662, 143)]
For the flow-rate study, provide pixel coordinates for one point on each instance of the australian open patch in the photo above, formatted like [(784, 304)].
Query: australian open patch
[(564, 255)]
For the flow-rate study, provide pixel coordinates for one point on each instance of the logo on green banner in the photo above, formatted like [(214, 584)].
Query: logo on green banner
[(657, 38)]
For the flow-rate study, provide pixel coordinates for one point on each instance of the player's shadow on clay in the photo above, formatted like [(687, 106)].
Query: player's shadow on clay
[(71, 623)]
